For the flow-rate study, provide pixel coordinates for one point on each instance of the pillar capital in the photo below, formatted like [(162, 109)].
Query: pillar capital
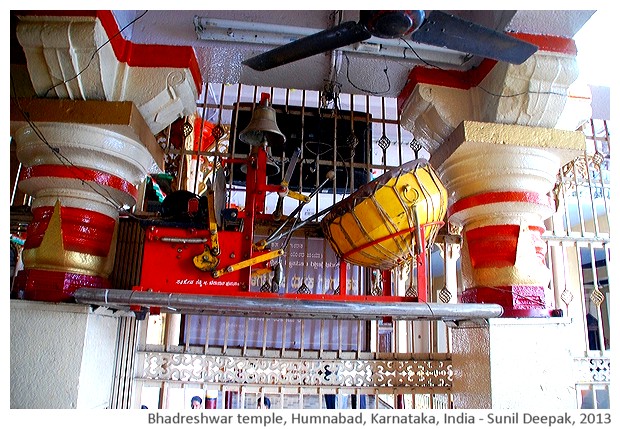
[(480, 157), (535, 93), (82, 161), (83, 56), (499, 178)]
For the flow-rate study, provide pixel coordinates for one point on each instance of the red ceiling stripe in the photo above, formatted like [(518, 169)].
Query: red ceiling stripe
[(472, 77), (142, 55)]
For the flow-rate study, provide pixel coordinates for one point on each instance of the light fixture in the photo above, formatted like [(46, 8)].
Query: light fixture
[(271, 35)]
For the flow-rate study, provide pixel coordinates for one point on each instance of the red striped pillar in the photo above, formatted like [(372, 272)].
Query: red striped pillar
[(81, 176), (499, 178), (503, 256)]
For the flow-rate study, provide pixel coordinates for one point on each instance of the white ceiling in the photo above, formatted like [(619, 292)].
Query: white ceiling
[(220, 62)]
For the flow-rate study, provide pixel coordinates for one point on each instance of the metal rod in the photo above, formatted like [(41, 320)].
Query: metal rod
[(283, 331), (294, 213), (302, 336), (264, 347), (232, 145), (600, 170), (226, 332), (574, 239), (577, 186), (19, 169), (183, 240), (198, 144), (285, 308), (245, 335)]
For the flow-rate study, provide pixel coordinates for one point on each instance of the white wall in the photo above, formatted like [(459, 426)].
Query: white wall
[(515, 364), (62, 356)]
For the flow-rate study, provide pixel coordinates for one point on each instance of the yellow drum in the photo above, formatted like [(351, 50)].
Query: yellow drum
[(376, 226)]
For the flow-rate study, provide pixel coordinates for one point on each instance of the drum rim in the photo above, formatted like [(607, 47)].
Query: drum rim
[(368, 189)]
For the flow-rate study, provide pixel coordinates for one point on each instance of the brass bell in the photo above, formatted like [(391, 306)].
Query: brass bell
[(262, 126)]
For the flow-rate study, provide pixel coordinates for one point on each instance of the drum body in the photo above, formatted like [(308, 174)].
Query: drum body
[(376, 225)]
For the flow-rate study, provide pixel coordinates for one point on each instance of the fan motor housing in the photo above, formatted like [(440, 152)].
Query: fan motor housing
[(391, 24)]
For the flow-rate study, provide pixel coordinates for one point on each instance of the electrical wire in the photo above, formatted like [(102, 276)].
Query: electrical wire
[(478, 86), (55, 150), (66, 161), (367, 91)]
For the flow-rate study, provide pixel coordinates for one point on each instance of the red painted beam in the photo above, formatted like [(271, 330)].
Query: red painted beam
[(472, 77), (135, 55)]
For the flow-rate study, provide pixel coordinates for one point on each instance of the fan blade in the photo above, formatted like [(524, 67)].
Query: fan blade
[(449, 31), (324, 41)]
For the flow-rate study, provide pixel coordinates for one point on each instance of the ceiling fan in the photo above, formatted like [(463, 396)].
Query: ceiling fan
[(438, 29)]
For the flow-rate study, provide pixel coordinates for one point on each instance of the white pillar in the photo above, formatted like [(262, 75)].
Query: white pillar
[(531, 364), (62, 356)]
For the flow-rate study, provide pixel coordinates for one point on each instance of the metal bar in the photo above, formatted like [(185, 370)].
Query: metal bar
[(287, 269), (321, 337), (14, 192), (565, 269), (334, 159), (240, 156), (274, 235), (245, 336), (226, 329), (129, 378), (232, 144), (264, 348), (579, 207), (561, 238), (400, 146), (197, 144), (359, 345), (563, 196), (301, 337), (188, 330), (286, 308), (594, 140), (592, 201), (351, 170), (554, 282), (339, 328), (582, 296), (208, 333), (283, 350), (302, 143), (599, 316), (317, 176), (183, 240), (368, 138)]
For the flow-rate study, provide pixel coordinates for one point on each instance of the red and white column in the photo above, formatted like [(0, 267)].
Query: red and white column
[(500, 178), (85, 153), (495, 137), (80, 175)]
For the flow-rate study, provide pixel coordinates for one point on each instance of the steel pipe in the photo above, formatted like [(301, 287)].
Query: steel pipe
[(285, 308), (183, 240)]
